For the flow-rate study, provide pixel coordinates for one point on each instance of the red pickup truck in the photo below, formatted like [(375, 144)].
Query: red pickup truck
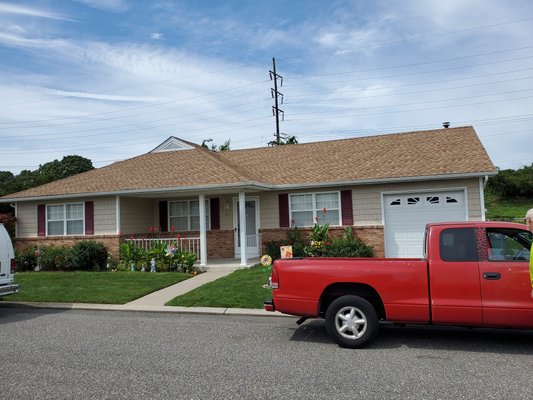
[(472, 274)]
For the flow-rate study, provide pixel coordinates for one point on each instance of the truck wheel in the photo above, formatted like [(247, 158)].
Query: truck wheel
[(351, 321)]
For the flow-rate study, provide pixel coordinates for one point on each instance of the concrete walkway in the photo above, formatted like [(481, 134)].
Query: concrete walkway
[(161, 297)]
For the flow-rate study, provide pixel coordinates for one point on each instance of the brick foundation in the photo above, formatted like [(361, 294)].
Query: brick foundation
[(370, 235), (220, 244), (111, 242)]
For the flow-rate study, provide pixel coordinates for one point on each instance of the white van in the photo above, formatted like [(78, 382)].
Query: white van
[(7, 264)]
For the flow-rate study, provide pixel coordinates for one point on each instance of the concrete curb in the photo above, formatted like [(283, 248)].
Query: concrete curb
[(143, 308)]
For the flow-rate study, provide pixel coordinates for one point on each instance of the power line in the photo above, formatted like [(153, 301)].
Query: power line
[(442, 60), (131, 108), (416, 73), (418, 38)]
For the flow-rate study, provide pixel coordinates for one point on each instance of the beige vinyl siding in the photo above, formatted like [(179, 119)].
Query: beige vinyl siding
[(269, 207), (137, 215), (226, 212), (27, 219), (367, 199), (105, 216)]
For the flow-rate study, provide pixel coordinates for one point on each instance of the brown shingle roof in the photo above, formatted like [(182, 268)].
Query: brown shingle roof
[(403, 155), (410, 154)]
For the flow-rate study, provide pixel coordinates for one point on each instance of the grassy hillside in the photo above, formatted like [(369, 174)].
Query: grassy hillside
[(506, 209)]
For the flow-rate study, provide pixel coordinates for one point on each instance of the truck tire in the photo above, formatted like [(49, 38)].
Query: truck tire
[(351, 321)]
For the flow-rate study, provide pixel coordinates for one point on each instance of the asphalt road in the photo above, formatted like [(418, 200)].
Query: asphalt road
[(55, 354)]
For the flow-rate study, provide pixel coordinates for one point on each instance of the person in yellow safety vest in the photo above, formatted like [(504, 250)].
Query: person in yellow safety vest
[(529, 223)]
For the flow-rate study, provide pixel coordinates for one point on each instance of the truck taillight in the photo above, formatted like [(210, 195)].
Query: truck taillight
[(12, 265), (274, 279)]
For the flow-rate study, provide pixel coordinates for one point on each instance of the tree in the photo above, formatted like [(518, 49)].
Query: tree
[(512, 183), (49, 172), (285, 139), (223, 147), (69, 165)]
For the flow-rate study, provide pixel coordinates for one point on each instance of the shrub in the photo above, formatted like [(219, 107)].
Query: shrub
[(26, 259), (9, 221), (348, 246), (272, 248), (294, 239), (88, 255), (53, 258)]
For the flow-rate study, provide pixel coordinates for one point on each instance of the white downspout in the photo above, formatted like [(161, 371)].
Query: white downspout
[(117, 214), (14, 205), (242, 220), (482, 185), (203, 228)]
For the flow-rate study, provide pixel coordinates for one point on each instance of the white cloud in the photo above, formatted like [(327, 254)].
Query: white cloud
[(156, 36), (6, 8), (104, 97), (19, 41), (108, 5)]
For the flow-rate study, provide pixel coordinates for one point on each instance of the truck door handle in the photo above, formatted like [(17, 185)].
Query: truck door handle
[(492, 276)]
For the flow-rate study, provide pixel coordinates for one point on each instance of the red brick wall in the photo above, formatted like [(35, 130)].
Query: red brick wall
[(220, 244), (111, 242), (370, 235)]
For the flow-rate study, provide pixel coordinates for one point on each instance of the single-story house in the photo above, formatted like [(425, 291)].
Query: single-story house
[(387, 187)]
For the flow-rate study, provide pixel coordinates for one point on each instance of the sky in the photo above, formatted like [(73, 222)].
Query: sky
[(112, 79)]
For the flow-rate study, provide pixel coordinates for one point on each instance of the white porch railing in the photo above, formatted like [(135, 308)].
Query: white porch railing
[(253, 241), (253, 245), (191, 244)]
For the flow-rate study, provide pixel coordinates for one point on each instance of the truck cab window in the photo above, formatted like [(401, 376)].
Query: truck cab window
[(508, 244), (458, 244)]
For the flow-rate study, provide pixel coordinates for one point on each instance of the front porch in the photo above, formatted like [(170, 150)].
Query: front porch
[(207, 224), (193, 244)]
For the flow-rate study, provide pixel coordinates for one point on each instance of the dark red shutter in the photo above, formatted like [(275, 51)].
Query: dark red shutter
[(346, 207), (41, 220), (214, 211), (89, 218), (283, 200), (163, 216)]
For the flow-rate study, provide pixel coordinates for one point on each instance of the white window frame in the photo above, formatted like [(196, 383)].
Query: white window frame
[(316, 212), (207, 214), (65, 220)]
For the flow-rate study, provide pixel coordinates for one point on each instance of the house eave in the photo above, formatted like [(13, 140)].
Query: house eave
[(403, 179), (230, 188), (244, 186)]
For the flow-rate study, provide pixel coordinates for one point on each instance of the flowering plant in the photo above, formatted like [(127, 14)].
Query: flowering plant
[(266, 262)]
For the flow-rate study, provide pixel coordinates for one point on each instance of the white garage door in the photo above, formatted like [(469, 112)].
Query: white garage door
[(406, 216)]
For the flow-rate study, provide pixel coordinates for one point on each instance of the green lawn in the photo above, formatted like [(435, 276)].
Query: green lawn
[(90, 287), (241, 289), (506, 209)]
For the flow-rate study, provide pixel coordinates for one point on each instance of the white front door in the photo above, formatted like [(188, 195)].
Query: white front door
[(406, 216), (253, 242)]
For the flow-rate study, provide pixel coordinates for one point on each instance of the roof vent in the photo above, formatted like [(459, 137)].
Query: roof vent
[(446, 124)]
